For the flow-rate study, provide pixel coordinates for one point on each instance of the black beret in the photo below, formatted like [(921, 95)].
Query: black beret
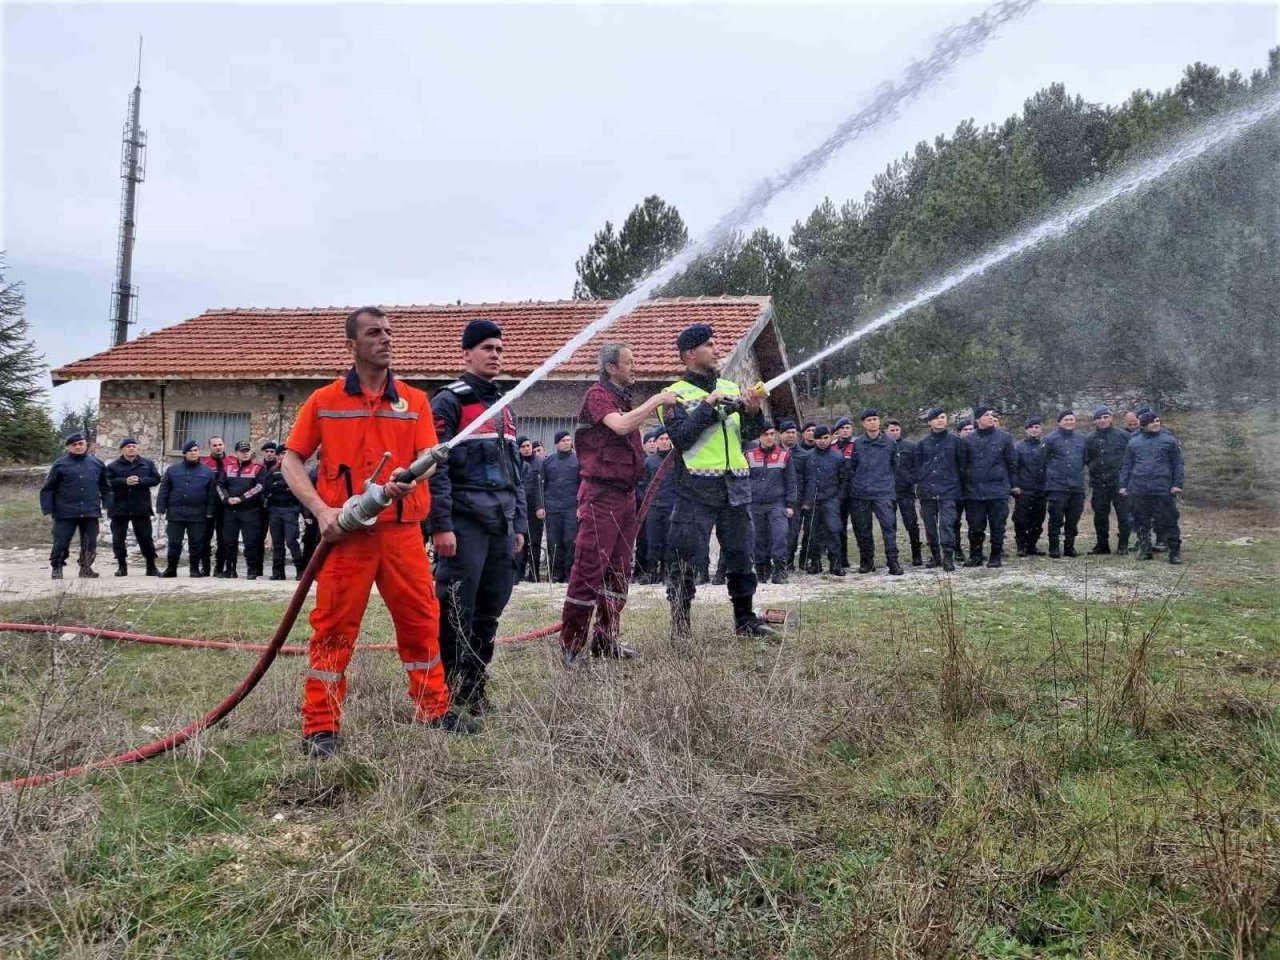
[(659, 432), (934, 412), (521, 440), (478, 331), (128, 440), (269, 445), (1065, 413), (869, 412), (786, 425), (694, 335), (561, 434), (982, 408), (1102, 411), (71, 438), (841, 422), (766, 424), (821, 430), (808, 424), (1032, 421), (1147, 416), (1142, 409), (962, 423), (190, 445), (243, 445)]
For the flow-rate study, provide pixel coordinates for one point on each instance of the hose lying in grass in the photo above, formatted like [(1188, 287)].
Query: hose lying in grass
[(269, 653)]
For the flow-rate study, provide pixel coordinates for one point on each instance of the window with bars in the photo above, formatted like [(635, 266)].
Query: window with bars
[(544, 428), (200, 425)]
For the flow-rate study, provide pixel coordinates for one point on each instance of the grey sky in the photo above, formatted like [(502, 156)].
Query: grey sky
[(312, 155)]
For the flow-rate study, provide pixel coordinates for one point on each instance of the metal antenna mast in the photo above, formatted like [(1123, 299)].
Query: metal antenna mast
[(124, 298)]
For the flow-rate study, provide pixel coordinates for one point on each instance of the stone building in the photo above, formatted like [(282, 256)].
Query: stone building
[(243, 373)]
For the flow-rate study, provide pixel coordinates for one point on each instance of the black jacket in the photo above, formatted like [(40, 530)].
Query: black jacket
[(992, 464), (666, 495), (75, 487), (826, 477), (685, 427), (188, 491), (484, 478), (276, 492), (873, 467), (531, 477), (1152, 464), (905, 472), (941, 458), (1104, 454), (560, 479), (1029, 476), (131, 500), (1064, 462)]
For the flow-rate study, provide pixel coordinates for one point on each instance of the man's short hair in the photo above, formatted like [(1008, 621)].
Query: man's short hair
[(610, 353), (214, 437), (353, 319)]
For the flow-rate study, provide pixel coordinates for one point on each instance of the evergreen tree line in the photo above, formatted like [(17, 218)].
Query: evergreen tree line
[(1172, 293)]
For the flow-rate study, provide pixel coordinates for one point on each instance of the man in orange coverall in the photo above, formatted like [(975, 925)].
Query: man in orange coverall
[(352, 421)]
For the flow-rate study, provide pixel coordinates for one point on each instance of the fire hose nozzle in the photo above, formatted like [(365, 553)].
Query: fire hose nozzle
[(362, 510), (731, 405)]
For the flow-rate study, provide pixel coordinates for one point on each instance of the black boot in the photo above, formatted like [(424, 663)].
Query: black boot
[(197, 571), (298, 567), (1054, 552), (1122, 548), (813, 567), (321, 746), (976, 559), (895, 568), (866, 564), (762, 573), (57, 573), (997, 559), (277, 574), (1144, 549), (1175, 554), (1101, 549), (1069, 548), (917, 556), (948, 561), (935, 559), (836, 569), (152, 569), (170, 573), (122, 570), (779, 572), (958, 554), (745, 621)]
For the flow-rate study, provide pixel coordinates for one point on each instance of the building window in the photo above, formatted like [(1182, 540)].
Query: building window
[(544, 428), (199, 425)]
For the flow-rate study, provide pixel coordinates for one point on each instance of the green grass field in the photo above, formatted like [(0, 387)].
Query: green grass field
[(937, 773)]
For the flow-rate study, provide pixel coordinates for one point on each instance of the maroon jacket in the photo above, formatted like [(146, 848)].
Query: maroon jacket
[(606, 457)]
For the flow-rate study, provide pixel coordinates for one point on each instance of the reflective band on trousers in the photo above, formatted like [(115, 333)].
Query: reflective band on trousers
[(611, 595), (580, 603), (328, 676), (419, 665), (342, 414)]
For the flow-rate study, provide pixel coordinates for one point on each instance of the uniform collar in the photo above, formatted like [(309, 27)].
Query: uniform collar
[(703, 381), (352, 385)]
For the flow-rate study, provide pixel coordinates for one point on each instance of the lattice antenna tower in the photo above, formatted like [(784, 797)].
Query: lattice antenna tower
[(124, 297)]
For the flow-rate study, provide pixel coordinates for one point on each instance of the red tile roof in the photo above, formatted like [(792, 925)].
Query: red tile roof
[(307, 343)]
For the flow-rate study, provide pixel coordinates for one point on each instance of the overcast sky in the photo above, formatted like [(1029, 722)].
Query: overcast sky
[(305, 155)]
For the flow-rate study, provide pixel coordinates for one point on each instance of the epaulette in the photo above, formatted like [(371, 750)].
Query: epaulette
[(460, 387)]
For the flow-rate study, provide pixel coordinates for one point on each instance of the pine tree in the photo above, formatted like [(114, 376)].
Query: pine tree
[(652, 233), (26, 433)]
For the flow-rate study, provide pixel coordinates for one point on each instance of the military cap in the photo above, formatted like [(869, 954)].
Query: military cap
[(934, 412), (786, 425), (190, 445), (1065, 413), (128, 440), (1147, 416), (694, 335), (821, 430), (243, 445), (71, 438), (1033, 421), (982, 408), (868, 413), (1102, 411), (561, 434), (478, 331)]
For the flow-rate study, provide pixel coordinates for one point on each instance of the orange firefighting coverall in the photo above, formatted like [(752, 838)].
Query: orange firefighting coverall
[(352, 429)]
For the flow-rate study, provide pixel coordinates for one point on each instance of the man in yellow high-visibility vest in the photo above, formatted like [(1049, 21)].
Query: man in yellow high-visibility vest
[(712, 479)]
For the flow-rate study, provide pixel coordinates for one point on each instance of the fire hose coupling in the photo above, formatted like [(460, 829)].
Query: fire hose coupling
[(731, 405), (362, 510)]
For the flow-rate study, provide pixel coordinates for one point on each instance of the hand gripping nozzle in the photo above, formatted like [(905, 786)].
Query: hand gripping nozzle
[(362, 510)]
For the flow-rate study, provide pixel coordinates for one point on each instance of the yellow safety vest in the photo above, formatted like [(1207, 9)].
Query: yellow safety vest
[(719, 450)]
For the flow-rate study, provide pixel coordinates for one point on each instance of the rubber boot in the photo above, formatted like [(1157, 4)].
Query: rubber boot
[(935, 559), (1069, 548), (122, 570), (779, 572), (917, 556)]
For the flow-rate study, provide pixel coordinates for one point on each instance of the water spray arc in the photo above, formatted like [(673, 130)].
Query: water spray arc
[(1225, 130)]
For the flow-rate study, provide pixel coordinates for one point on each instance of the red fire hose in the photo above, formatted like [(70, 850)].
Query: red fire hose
[(269, 653)]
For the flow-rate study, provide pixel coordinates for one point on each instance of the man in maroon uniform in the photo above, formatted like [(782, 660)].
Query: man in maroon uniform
[(611, 462)]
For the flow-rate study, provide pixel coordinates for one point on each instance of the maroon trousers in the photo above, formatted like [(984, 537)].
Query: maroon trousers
[(601, 567)]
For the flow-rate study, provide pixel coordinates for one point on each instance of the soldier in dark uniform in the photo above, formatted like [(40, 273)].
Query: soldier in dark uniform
[(560, 481), (73, 495), (478, 522), (842, 440), (188, 491), (906, 488), (531, 475), (641, 569), (940, 466), (240, 491), (283, 510), (1064, 484), (963, 429), (773, 503), (713, 486), (789, 436), (1152, 475), (873, 484), (803, 526), (311, 528), (826, 478), (1028, 489), (992, 466), (658, 520), (132, 477), (1103, 453), (215, 460)]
